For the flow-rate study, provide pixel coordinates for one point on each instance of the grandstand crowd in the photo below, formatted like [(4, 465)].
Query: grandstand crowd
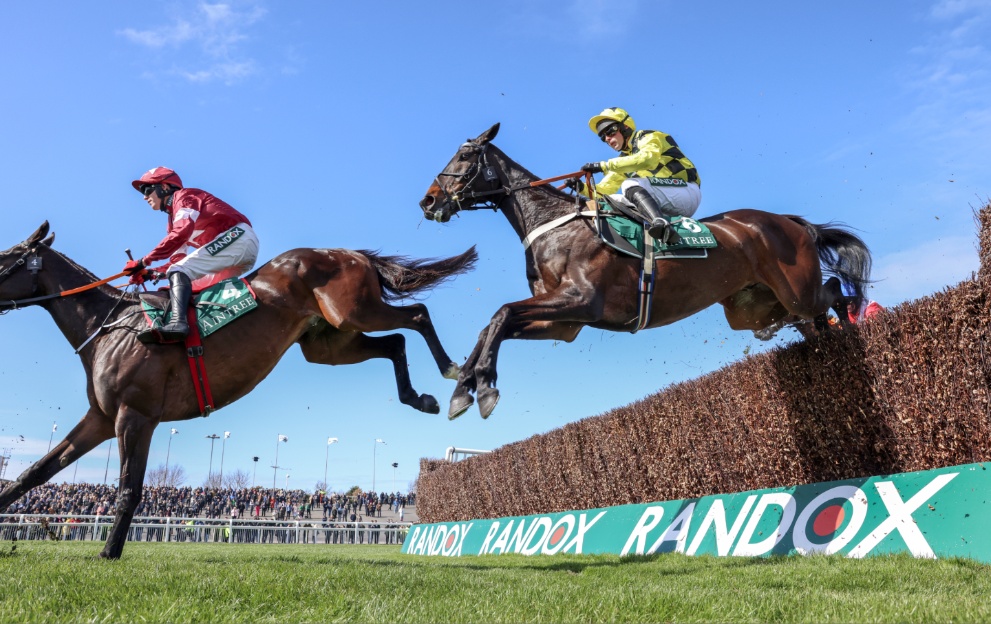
[(212, 503)]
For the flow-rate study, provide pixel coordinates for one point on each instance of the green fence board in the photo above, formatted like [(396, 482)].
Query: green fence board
[(934, 513)]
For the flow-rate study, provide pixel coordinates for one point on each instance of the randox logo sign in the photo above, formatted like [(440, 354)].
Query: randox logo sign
[(928, 514), (828, 523)]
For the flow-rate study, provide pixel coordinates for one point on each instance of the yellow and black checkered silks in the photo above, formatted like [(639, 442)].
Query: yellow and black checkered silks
[(648, 153)]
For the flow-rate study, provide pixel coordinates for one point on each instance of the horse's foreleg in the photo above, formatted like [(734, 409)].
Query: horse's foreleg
[(92, 430), (134, 431), (335, 347), (462, 397), (561, 313)]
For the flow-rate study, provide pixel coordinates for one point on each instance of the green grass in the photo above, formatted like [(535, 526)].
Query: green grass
[(65, 582)]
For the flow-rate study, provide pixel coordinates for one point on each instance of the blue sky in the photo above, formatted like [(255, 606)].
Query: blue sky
[(326, 122)]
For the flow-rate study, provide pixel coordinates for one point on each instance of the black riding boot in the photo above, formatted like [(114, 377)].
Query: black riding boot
[(659, 227), (181, 290)]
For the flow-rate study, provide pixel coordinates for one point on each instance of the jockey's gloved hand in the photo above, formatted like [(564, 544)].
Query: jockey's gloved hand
[(157, 273), (134, 266), (137, 278), (576, 185), (592, 167)]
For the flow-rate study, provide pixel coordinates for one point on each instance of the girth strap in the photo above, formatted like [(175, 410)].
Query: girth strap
[(194, 352), (646, 282)]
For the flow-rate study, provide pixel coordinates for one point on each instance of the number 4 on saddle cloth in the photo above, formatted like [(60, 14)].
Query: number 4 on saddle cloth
[(211, 309), (623, 231)]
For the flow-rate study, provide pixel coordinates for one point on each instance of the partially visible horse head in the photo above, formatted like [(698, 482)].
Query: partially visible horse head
[(467, 181), (17, 284)]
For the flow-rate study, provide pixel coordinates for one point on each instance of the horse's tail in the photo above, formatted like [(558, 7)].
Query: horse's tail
[(400, 276), (842, 253)]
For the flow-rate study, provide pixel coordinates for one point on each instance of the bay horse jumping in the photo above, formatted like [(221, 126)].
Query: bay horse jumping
[(322, 299), (767, 268)]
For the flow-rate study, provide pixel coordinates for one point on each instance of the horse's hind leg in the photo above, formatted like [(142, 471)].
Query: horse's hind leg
[(134, 432), (92, 430), (371, 314), (417, 318), (331, 346)]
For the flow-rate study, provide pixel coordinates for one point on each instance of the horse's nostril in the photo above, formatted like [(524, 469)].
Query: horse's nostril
[(427, 202)]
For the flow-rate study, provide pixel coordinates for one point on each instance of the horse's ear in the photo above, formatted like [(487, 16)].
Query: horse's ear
[(39, 234), (51, 239), (488, 135)]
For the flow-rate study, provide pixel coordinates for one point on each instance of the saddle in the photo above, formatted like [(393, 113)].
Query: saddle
[(622, 228), (214, 307)]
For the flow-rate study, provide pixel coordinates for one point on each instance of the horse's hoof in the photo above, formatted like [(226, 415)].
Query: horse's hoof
[(488, 398), (459, 405), (452, 371), (428, 404)]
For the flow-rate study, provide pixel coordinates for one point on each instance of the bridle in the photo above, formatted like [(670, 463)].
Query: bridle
[(488, 173), (32, 261)]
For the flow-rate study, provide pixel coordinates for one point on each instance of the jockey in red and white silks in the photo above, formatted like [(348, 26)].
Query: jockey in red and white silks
[(207, 241)]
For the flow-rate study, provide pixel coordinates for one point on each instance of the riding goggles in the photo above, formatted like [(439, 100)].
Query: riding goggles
[(609, 131)]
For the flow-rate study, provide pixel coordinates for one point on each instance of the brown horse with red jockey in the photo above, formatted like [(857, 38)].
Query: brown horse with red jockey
[(767, 268), (324, 300)]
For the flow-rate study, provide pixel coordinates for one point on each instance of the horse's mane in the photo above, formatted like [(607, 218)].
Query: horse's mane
[(547, 188), (91, 277)]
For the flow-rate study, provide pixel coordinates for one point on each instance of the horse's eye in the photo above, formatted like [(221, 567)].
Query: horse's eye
[(464, 156)]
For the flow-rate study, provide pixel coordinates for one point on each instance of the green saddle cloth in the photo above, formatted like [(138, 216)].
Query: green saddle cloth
[(694, 234), (217, 306)]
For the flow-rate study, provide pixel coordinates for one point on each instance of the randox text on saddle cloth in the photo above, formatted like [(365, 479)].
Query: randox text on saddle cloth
[(935, 513)]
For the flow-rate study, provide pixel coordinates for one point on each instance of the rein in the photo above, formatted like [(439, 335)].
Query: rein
[(33, 262), (489, 174)]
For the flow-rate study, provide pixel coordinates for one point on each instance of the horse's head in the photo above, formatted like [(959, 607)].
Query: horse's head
[(19, 265), (470, 180)]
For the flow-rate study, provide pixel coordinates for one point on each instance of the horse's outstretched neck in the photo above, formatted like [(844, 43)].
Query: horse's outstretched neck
[(843, 254), (78, 316), (401, 276), (527, 208)]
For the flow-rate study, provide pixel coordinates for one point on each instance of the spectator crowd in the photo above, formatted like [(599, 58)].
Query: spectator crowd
[(212, 503)]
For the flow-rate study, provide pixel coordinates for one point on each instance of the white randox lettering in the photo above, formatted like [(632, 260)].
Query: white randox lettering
[(716, 517), (900, 518), (437, 542), (784, 500), (550, 549), (578, 540), (503, 539), (425, 539), (676, 532), (858, 501), (533, 545), (419, 546), (519, 537), (488, 537), (411, 540), (650, 518), (465, 527)]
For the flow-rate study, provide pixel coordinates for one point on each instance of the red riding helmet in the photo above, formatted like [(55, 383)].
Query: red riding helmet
[(156, 175)]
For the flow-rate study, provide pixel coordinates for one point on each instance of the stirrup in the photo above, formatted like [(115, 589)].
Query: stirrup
[(174, 332), (148, 336), (660, 229)]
